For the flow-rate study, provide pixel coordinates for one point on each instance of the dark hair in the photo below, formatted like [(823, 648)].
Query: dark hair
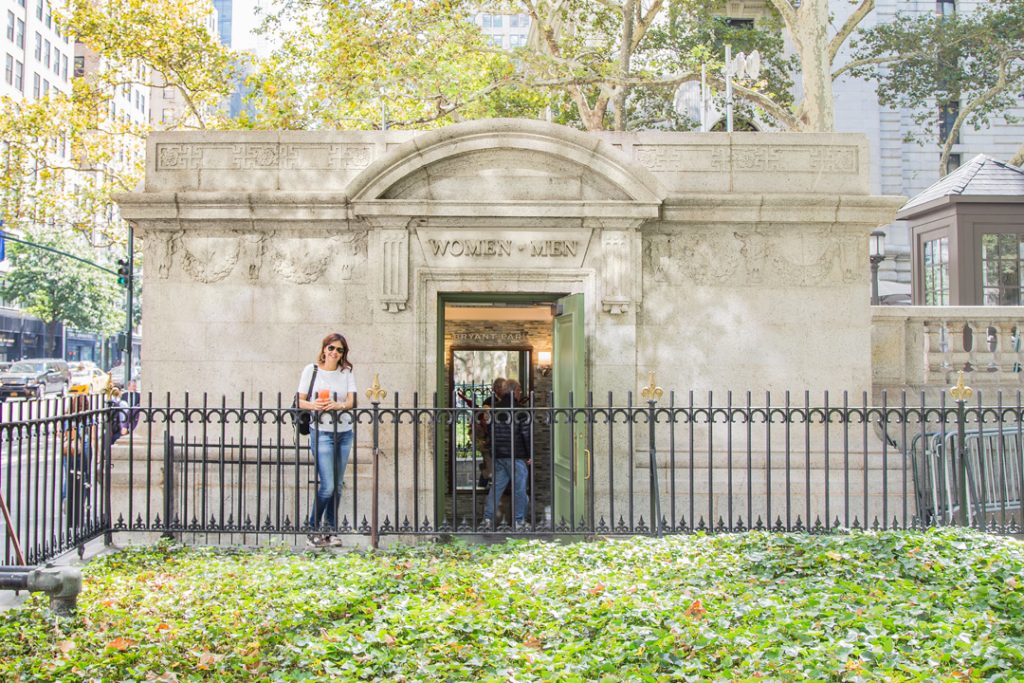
[(335, 337)]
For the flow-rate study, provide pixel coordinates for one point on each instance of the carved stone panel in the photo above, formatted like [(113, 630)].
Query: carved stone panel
[(394, 276), (757, 256), (617, 276)]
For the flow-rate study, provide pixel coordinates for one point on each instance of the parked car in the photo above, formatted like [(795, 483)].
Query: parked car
[(34, 378), (86, 378)]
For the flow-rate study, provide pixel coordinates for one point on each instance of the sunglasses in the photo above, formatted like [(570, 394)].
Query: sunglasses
[(331, 348)]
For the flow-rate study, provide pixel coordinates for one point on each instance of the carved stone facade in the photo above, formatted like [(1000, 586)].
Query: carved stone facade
[(721, 261)]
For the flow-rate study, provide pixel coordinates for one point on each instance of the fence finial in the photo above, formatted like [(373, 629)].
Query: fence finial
[(961, 392), (652, 392), (376, 393)]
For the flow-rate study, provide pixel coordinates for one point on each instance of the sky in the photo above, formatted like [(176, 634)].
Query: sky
[(243, 21)]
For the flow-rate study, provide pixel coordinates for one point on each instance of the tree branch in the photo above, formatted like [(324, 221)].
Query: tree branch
[(788, 12), (972, 106), (847, 28), (865, 62)]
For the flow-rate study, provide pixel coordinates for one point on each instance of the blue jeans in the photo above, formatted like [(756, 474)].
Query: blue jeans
[(330, 451), (503, 469)]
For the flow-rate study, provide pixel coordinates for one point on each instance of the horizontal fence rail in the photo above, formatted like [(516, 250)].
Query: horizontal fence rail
[(238, 471)]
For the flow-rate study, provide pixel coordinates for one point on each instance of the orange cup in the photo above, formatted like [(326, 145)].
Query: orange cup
[(323, 394)]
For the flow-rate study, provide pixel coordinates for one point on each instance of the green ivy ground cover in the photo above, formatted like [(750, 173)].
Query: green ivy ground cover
[(944, 605)]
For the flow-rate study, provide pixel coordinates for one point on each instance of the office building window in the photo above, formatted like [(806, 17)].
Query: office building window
[(936, 272), (945, 8), (21, 2), (740, 24), (10, 26), (49, 18), (46, 54), (517, 40), (519, 21), (19, 76), (491, 20), (947, 117), (39, 47), (9, 70), (39, 10), (79, 66), (64, 67), (1001, 256), (19, 34), (56, 60), (35, 85), (46, 87)]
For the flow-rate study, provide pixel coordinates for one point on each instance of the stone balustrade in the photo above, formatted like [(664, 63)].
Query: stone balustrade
[(922, 348)]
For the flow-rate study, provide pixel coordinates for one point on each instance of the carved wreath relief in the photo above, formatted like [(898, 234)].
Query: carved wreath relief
[(236, 254), (753, 257)]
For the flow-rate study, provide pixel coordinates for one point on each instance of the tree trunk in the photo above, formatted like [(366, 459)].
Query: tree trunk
[(810, 36), (51, 339)]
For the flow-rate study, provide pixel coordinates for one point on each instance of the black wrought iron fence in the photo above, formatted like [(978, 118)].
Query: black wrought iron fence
[(238, 471)]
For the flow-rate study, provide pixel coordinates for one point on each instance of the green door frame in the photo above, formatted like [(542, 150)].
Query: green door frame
[(441, 379)]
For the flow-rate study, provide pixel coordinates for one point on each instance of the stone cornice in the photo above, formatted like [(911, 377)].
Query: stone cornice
[(780, 208), (165, 210)]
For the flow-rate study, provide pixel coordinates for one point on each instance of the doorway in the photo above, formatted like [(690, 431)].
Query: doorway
[(536, 340)]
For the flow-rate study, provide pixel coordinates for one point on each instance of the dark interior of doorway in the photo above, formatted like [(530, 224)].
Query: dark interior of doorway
[(485, 337)]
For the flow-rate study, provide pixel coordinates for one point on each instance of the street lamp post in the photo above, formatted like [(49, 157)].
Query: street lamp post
[(876, 254)]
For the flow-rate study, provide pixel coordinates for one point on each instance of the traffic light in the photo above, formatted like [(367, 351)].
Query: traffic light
[(122, 272)]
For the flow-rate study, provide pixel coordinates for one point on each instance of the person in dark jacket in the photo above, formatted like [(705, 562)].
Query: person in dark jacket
[(511, 451)]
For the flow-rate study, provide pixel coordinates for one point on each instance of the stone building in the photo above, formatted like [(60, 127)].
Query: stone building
[(722, 262)]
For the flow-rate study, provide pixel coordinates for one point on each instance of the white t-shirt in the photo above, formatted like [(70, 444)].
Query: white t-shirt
[(339, 382)]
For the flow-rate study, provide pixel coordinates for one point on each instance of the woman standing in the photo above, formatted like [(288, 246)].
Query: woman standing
[(325, 387)]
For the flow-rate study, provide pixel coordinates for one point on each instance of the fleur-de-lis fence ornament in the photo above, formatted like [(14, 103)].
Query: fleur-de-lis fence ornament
[(376, 393), (961, 392), (652, 392)]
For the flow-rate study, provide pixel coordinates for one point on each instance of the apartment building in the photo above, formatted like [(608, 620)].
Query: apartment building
[(169, 108)]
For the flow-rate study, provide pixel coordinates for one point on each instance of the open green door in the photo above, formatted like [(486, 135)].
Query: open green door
[(572, 466)]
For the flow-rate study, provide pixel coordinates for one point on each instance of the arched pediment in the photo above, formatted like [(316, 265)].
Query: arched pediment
[(506, 160)]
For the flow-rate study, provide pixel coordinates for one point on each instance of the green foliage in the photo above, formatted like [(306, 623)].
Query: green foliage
[(352, 64), (924, 62), (941, 606), (58, 289)]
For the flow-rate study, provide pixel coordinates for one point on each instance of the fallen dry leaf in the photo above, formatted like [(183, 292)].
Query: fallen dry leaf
[(534, 642), (66, 646), (389, 640), (696, 609), (121, 644), (162, 627), (596, 590), (206, 660)]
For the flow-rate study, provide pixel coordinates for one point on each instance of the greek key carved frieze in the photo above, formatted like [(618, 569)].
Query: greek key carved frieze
[(834, 159), (350, 156), (837, 159), (263, 156), (256, 156), (179, 157)]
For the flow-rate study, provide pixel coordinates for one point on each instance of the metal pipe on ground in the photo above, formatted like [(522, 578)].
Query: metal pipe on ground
[(62, 584)]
